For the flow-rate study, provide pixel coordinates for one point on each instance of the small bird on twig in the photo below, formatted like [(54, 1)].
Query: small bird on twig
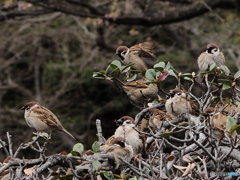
[(179, 103), (139, 55), (131, 136), (41, 118), (139, 90), (210, 56), (119, 147)]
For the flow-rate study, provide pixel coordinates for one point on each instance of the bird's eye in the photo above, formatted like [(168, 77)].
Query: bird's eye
[(27, 108), (124, 52), (179, 94), (215, 50)]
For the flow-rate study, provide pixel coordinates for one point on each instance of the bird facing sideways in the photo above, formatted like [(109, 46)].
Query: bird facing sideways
[(210, 56), (179, 103), (41, 118), (139, 90), (131, 136), (139, 55)]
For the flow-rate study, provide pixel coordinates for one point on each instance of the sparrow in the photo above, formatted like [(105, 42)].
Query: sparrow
[(139, 90), (119, 123), (219, 121), (138, 55), (41, 118), (119, 147), (228, 108), (131, 136), (210, 56), (158, 117), (179, 103)]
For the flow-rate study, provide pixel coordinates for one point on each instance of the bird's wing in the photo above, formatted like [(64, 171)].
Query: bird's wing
[(46, 116)]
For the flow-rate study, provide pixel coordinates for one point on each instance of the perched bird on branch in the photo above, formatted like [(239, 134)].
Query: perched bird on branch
[(41, 118), (119, 147), (158, 117), (131, 136), (139, 55), (179, 103), (219, 121), (211, 55), (139, 90)]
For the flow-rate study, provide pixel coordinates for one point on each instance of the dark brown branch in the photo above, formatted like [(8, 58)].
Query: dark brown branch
[(180, 14)]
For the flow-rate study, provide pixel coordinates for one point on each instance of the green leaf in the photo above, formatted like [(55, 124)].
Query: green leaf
[(151, 74), (159, 66), (226, 83), (108, 175), (213, 65), (187, 75), (125, 67), (237, 75), (234, 128), (133, 77), (78, 147), (116, 63), (172, 73), (166, 135), (169, 66), (99, 75), (96, 165), (230, 123), (74, 153), (225, 69), (96, 147), (188, 79)]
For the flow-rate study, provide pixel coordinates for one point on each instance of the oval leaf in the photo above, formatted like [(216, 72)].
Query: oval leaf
[(96, 147), (96, 165), (225, 69), (78, 147), (237, 75), (151, 74), (160, 64), (212, 66), (230, 123)]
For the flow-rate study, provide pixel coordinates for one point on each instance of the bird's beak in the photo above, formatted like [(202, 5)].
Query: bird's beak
[(23, 108), (120, 121), (118, 53)]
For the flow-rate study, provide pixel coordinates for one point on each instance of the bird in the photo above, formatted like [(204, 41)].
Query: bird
[(119, 123), (211, 55), (119, 147), (218, 120), (180, 103), (42, 119), (131, 136), (158, 117), (139, 90), (138, 55)]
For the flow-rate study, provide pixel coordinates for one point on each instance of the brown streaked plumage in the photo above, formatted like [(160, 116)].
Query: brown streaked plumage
[(179, 103), (41, 118), (119, 147), (139, 90), (139, 54), (158, 117)]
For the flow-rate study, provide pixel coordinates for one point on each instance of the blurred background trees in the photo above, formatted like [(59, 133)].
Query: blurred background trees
[(49, 50)]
